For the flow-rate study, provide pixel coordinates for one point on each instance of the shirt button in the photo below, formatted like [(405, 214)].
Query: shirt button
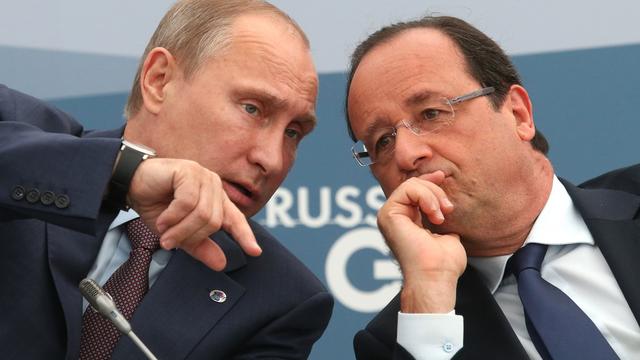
[(447, 347)]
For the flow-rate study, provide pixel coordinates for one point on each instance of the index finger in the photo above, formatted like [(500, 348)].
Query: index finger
[(235, 223)]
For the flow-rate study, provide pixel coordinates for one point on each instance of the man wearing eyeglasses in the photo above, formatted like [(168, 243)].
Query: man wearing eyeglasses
[(501, 259)]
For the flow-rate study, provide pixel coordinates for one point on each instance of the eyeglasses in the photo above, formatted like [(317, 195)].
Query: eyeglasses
[(380, 143)]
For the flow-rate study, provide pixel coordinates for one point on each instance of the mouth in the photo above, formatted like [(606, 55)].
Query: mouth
[(242, 195), (245, 191)]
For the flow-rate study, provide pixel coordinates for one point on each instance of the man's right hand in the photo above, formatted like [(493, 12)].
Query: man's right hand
[(430, 263), (184, 203)]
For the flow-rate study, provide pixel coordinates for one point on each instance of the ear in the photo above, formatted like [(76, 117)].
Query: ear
[(522, 111), (158, 70)]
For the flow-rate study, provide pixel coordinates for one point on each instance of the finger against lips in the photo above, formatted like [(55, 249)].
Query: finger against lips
[(435, 177)]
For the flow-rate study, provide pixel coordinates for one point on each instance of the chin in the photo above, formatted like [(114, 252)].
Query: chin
[(252, 210)]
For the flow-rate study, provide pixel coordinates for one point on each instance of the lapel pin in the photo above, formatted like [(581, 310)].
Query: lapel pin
[(218, 296)]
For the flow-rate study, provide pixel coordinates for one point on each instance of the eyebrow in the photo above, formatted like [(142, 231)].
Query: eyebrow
[(278, 102), (420, 97)]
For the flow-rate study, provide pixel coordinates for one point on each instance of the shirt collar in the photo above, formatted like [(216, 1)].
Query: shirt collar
[(559, 223), (123, 217)]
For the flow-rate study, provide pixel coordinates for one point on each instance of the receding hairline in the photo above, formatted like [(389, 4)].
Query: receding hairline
[(232, 35), (446, 42), (211, 42)]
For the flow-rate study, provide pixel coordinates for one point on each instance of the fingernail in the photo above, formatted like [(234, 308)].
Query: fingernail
[(167, 244), (162, 228), (439, 215), (448, 203)]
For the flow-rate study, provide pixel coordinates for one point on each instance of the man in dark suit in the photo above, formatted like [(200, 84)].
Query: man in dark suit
[(438, 113), (224, 94)]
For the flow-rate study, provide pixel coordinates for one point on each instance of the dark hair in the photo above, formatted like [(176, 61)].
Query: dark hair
[(485, 60)]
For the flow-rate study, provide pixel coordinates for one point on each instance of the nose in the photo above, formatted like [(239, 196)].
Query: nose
[(268, 152), (410, 149)]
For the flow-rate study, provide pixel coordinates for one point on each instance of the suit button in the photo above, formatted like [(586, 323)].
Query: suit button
[(33, 195), (48, 198), (62, 201), (17, 193)]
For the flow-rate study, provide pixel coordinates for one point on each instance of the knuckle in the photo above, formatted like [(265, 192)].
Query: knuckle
[(410, 182), (190, 166), (203, 213), (215, 223), (214, 179), (184, 204)]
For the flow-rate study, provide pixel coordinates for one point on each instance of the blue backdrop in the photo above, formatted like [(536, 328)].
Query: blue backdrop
[(584, 102)]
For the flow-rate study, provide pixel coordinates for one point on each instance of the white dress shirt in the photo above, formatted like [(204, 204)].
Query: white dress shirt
[(115, 251), (573, 264)]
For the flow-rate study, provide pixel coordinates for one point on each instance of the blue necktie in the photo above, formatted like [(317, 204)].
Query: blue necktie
[(558, 328)]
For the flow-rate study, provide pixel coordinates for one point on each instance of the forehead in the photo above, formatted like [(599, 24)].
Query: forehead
[(265, 51), (268, 42), (415, 61), (270, 29)]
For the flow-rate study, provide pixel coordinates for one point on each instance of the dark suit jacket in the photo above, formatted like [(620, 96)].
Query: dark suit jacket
[(275, 307), (614, 222), (625, 179)]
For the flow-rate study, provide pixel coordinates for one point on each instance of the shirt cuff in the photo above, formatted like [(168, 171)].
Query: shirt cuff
[(431, 336)]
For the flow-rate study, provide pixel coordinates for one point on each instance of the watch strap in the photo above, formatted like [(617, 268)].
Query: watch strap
[(127, 163)]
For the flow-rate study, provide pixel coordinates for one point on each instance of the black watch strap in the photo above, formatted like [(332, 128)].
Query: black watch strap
[(130, 157)]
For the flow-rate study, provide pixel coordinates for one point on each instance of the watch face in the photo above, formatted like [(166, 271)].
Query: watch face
[(141, 148)]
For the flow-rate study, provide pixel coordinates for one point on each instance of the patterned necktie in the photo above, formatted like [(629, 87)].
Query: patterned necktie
[(128, 285), (558, 328)]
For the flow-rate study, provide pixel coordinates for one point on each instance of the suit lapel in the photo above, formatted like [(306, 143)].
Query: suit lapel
[(611, 217), (71, 255), (177, 312), (487, 332)]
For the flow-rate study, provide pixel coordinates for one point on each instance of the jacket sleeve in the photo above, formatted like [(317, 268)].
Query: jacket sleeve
[(624, 179), (367, 347), (50, 170)]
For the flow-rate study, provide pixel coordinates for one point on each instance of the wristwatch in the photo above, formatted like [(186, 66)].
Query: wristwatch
[(128, 160)]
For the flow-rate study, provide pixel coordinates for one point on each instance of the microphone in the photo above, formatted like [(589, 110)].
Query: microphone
[(102, 302)]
